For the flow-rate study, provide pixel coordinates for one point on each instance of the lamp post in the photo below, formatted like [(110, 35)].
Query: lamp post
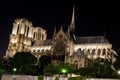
[(64, 71), (14, 70), (118, 72)]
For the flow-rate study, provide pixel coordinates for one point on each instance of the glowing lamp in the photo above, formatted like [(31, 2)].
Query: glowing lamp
[(64, 71), (14, 69)]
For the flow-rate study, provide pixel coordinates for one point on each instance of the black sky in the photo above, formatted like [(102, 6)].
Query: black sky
[(92, 18)]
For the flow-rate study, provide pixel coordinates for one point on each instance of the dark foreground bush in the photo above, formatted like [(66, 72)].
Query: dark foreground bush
[(40, 77), (76, 78)]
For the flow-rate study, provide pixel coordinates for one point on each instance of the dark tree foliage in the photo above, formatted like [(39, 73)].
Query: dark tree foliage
[(24, 62), (85, 71), (117, 62), (24, 58), (43, 62), (50, 69), (2, 68), (101, 68), (57, 69)]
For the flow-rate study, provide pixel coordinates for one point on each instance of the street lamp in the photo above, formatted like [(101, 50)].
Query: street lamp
[(14, 69), (118, 73), (63, 71)]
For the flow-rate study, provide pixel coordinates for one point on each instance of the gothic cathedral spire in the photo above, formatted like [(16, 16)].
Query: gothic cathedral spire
[(54, 32), (72, 26)]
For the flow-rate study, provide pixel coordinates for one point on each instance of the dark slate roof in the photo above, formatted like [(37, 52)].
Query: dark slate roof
[(43, 42), (91, 39)]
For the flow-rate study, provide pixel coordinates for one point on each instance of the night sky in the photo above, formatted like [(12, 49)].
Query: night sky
[(92, 18)]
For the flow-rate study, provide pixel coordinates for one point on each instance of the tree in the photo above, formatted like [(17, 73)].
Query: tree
[(117, 62), (57, 69), (102, 68), (24, 62), (50, 69), (43, 62), (2, 68), (85, 71)]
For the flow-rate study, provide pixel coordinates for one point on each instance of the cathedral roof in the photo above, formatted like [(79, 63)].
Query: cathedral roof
[(91, 39), (43, 42), (79, 40)]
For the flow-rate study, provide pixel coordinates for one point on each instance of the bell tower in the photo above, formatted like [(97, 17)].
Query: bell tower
[(21, 37)]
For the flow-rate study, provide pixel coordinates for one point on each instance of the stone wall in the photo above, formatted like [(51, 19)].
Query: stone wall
[(30, 77), (100, 79), (18, 77)]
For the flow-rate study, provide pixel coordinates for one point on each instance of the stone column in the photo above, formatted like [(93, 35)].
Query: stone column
[(106, 52), (15, 28), (29, 32), (26, 30), (41, 35), (19, 30), (91, 54), (44, 37), (101, 53), (22, 28)]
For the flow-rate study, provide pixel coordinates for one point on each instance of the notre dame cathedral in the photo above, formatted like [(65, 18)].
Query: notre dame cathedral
[(63, 47)]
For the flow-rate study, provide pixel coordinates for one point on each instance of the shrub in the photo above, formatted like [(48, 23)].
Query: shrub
[(40, 77), (76, 78)]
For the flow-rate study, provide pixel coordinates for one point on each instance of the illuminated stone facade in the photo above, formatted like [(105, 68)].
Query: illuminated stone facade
[(63, 47)]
